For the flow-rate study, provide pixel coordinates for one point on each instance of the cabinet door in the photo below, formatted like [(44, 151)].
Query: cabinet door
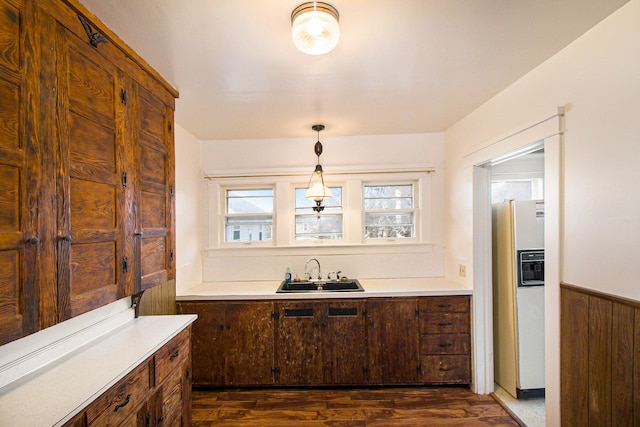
[(232, 342), (18, 188), (344, 342), (299, 343), (94, 266), (249, 352), (393, 339), (155, 166), (207, 341)]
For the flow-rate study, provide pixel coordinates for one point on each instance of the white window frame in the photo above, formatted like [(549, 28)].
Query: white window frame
[(223, 215), (415, 210), (352, 183), (294, 214)]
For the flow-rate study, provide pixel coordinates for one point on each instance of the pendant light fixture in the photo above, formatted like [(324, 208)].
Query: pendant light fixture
[(317, 190), (314, 27)]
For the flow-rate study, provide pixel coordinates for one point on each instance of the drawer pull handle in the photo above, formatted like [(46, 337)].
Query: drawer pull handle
[(175, 354), (442, 344), (445, 369), (122, 405), (445, 324), (444, 305)]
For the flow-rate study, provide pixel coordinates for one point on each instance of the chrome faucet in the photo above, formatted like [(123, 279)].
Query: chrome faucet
[(308, 273)]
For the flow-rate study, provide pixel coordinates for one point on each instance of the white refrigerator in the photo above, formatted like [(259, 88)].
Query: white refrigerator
[(518, 297)]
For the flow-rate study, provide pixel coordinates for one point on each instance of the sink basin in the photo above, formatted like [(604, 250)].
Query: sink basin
[(350, 285)]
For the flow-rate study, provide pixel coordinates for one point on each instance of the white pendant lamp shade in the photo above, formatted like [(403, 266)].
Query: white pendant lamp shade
[(315, 28), (318, 192)]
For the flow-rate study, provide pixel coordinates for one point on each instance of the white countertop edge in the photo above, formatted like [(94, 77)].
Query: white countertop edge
[(373, 288), (58, 392)]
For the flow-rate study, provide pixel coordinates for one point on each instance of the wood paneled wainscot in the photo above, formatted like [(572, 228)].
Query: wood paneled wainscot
[(600, 361)]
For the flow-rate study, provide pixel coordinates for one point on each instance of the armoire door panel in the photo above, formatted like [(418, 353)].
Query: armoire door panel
[(153, 210), (101, 152), (9, 115), (153, 163), (90, 81), (9, 199), (9, 36)]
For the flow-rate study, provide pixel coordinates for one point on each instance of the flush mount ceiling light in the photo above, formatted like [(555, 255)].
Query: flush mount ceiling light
[(316, 190), (314, 27)]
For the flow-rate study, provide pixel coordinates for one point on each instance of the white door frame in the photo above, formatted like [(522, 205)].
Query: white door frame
[(483, 298)]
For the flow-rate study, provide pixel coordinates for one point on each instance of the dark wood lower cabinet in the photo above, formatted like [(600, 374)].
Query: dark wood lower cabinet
[(233, 342), (393, 340), (155, 393), (321, 342), (314, 342)]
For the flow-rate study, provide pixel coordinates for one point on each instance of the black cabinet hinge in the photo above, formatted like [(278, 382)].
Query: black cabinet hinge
[(171, 255), (275, 315), (94, 38), (125, 265), (275, 370), (123, 96), (417, 311), (169, 126), (171, 190), (124, 180)]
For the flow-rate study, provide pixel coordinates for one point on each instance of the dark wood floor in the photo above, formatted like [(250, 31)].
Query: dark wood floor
[(347, 407)]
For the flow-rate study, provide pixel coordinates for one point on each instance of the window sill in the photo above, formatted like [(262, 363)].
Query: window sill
[(323, 248)]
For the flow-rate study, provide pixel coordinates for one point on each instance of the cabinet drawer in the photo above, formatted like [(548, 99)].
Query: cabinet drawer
[(444, 304), (445, 323), (171, 355), (172, 398), (446, 369), (119, 402), (445, 344)]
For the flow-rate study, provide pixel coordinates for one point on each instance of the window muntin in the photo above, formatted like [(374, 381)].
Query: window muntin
[(389, 211), (248, 215), (327, 226)]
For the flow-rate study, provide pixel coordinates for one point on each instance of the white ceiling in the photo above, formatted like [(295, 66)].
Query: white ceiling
[(402, 66)]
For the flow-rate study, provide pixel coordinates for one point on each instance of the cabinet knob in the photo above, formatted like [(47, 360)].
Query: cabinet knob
[(33, 240), (66, 238)]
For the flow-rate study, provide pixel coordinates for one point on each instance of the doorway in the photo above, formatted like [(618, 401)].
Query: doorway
[(548, 131), (517, 199)]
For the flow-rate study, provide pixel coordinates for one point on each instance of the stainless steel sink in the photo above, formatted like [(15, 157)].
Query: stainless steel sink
[(350, 285)]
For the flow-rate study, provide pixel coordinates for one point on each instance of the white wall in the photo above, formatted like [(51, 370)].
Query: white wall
[(377, 152), (596, 78), (188, 228)]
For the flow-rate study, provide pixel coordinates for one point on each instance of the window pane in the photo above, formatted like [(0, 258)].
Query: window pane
[(386, 197), (395, 213), (333, 204), (326, 227), (248, 228), (388, 225), (505, 190), (250, 201)]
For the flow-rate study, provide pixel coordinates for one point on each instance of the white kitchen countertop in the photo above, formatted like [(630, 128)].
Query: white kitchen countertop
[(57, 392), (426, 286)]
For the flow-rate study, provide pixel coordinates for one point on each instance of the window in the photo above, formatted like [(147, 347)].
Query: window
[(248, 215), (389, 211), (310, 226)]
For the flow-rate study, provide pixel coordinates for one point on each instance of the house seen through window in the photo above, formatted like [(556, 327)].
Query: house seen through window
[(249, 215), (310, 226)]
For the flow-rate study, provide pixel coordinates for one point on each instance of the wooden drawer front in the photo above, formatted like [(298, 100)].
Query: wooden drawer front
[(446, 369), (445, 344), (172, 399), (171, 355), (445, 323), (444, 304), (121, 400)]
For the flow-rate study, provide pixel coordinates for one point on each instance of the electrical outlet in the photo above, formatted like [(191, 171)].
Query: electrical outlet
[(462, 270)]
